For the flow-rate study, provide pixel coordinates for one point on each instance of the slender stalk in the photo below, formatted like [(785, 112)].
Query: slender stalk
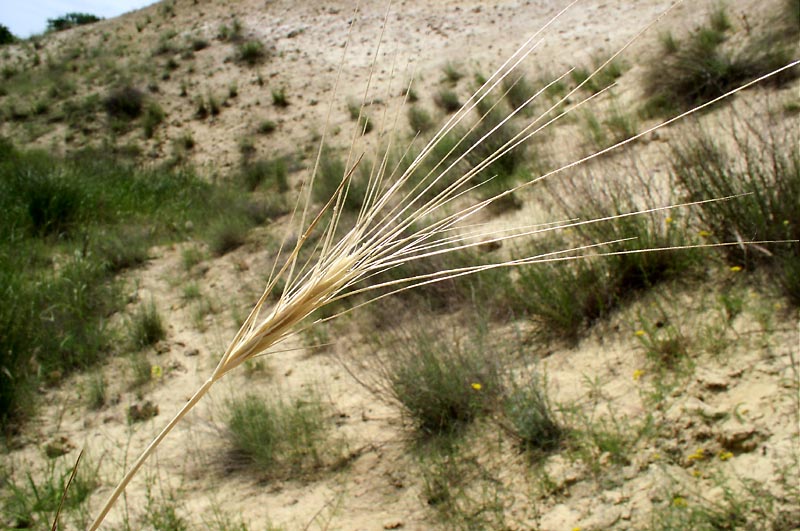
[(149, 450)]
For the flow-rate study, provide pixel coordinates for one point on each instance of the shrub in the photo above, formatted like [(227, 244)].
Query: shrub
[(123, 249), (276, 435), (447, 100), (126, 103), (232, 33), (441, 383), (146, 326), (564, 298)]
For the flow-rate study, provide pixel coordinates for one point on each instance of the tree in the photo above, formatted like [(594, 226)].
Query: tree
[(6, 37), (70, 20)]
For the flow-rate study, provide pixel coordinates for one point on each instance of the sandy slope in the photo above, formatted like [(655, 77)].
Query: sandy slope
[(744, 401)]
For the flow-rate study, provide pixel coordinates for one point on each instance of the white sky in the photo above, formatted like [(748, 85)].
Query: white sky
[(26, 17)]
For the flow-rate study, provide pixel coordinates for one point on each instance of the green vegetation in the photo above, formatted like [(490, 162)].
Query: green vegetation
[(278, 436), (6, 37), (452, 73), (125, 103), (30, 502), (279, 98), (251, 52), (70, 20), (447, 100), (518, 91), (604, 78), (419, 119), (531, 418), (702, 66), (146, 327), (89, 215), (269, 174), (227, 234), (768, 172), (266, 127), (441, 385)]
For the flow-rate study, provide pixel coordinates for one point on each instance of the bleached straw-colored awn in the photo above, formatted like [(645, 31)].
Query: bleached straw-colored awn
[(394, 227)]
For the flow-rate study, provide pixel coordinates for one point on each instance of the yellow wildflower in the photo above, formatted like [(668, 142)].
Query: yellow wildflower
[(698, 455), (639, 333), (724, 456), (638, 373), (668, 221), (704, 234), (679, 501), (476, 386), (736, 269), (156, 372)]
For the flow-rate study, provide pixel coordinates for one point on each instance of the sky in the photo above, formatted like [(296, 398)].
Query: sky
[(27, 17)]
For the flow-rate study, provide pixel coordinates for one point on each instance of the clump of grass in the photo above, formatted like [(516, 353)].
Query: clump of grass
[(269, 173), (518, 91), (96, 390), (602, 79), (232, 33), (531, 417), (251, 52), (563, 298), (147, 327), (419, 119), (191, 256), (768, 172), (227, 234), (140, 370), (153, 116), (330, 175), (126, 102), (31, 502), (702, 67), (447, 100), (441, 383), (266, 127), (452, 73), (123, 249), (278, 436), (279, 98)]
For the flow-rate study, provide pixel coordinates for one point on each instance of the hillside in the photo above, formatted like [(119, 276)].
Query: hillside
[(149, 169)]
